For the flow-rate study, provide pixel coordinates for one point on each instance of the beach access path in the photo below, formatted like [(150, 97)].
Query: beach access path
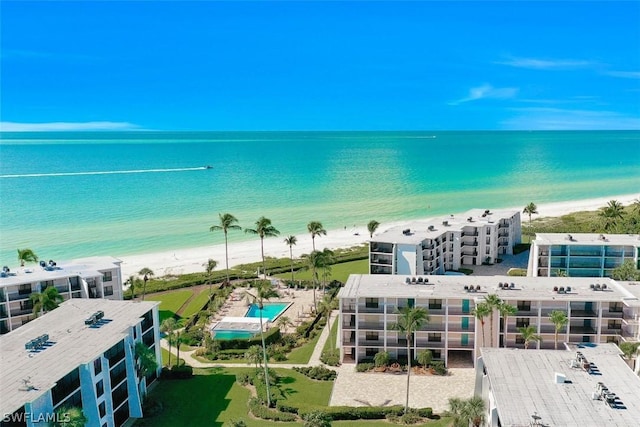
[(353, 388), (183, 261)]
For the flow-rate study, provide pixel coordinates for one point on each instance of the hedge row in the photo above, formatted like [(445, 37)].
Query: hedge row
[(181, 372), (265, 413), (337, 413), (317, 373)]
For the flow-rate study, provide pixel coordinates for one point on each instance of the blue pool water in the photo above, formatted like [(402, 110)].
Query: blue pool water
[(232, 335), (269, 312)]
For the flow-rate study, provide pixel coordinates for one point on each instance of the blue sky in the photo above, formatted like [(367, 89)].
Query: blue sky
[(320, 65)]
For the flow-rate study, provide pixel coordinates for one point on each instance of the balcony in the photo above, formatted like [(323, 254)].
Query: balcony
[(503, 233), (379, 260), (458, 344), (503, 225), (15, 296), (612, 314), (370, 343), (583, 313), (469, 253), (371, 326), (581, 330), (372, 309), (386, 248), (469, 234)]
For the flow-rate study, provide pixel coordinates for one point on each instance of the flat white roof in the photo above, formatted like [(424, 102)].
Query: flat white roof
[(419, 230), (587, 239), (525, 288), (522, 382), (84, 267), (71, 344)]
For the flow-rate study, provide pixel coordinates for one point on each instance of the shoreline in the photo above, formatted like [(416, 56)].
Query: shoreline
[(192, 260)]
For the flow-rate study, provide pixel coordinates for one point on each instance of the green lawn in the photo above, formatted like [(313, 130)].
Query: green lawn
[(332, 336), (170, 302), (165, 357), (196, 304), (302, 354), (339, 272), (212, 397)]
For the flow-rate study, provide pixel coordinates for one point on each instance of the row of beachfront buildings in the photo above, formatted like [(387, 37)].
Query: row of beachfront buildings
[(92, 364)]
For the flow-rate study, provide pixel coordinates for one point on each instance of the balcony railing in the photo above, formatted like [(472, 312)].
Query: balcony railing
[(583, 313), (15, 296), (584, 330), (381, 261), (368, 326)]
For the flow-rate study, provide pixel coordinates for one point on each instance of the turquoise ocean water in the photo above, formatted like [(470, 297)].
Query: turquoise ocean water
[(54, 203)]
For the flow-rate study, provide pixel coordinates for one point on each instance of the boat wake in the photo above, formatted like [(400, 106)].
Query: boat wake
[(37, 175)]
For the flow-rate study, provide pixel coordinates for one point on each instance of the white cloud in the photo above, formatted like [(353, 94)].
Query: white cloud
[(65, 126), (547, 64), (624, 74), (487, 91), (539, 118)]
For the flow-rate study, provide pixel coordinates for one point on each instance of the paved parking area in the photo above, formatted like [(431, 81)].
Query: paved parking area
[(508, 261), (352, 388)]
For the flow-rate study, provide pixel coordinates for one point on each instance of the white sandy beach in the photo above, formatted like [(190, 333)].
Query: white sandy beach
[(192, 260)]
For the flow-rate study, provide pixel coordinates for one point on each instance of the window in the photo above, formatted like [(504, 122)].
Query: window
[(106, 276), (100, 390), (24, 289), (522, 322), (97, 366), (435, 304), (370, 352), (435, 337), (108, 290), (45, 284), (524, 305), (372, 336), (615, 307), (103, 409), (371, 303), (488, 232), (519, 340), (615, 324)]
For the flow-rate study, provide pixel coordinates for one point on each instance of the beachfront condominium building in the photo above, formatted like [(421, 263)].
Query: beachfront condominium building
[(581, 254), (598, 311), (81, 355), (581, 386), (95, 277), (445, 244)]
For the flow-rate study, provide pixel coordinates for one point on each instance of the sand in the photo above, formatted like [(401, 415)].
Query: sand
[(192, 260)]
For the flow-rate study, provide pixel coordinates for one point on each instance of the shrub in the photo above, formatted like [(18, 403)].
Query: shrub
[(265, 413), (364, 367), (318, 373), (283, 406), (439, 368), (357, 412), (517, 272), (330, 357), (317, 419), (381, 358)]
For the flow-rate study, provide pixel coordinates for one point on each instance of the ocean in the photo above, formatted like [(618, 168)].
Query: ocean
[(74, 194)]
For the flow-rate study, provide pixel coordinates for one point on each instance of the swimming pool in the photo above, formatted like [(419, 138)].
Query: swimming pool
[(270, 311)]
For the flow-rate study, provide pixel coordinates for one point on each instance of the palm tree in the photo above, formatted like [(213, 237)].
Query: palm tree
[(493, 301), (47, 300), (316, 229), (530, 209), (425, 357), (290, 241), (529, 335), (227, 222), (147, 273), (559, 320), (372, 227), (262, 293), (69, 417), (316, 260), (629, 349), (611, 214), (326, 261), (168, 326), (26, 255), (465, 412), (263, 229), (210, 265), (410, 319), (146, 358), (481, 311), (133, 282), (284, 322), (506, 310), (254, 355)]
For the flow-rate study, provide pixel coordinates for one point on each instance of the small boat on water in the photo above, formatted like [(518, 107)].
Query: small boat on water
[(208, 167)]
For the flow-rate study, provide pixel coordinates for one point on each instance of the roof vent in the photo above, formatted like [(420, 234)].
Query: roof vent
[(431, 228), (406, 231), (445, 223), (470, 219), (37, 344), (559, 378)]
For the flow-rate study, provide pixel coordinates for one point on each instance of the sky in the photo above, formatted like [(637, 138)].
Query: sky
[(251, 66)]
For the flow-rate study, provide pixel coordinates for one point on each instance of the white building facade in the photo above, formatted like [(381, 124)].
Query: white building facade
[(369, 306), (445, 244), (84, 359), (97, 277), (581, 254)]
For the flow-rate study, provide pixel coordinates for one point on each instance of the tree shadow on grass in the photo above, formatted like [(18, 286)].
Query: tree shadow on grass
[(203, 400), (166, 314)]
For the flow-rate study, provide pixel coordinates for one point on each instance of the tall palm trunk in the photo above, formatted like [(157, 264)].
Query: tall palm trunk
[(264, 353), (226, 255), (291, 256), (506, 325), (178, 347), (491, 318), (264, 265), (169, 341), (406, 404), (556, 340), (482, 328)]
